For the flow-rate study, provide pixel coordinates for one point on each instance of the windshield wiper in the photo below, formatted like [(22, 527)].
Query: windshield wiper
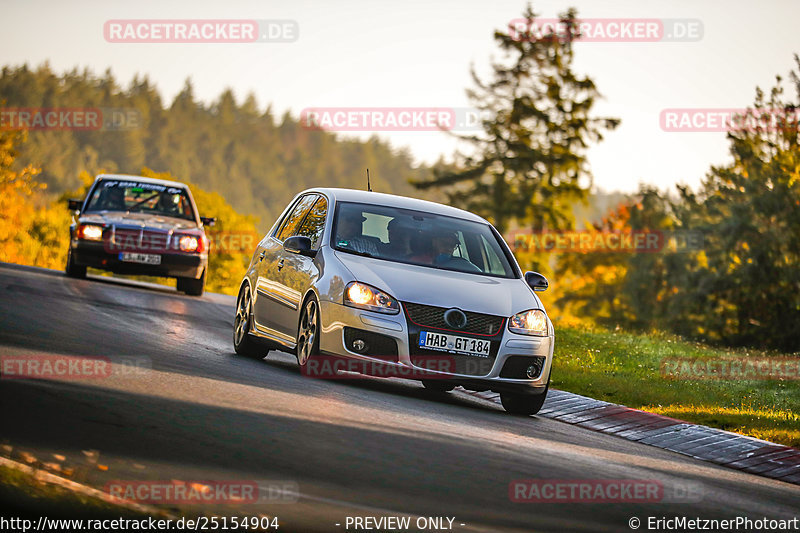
[(356, 252), (137, 204)]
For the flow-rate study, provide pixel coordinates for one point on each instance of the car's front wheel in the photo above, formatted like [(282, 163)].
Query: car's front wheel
[(243, 342), (308, 332), (73, 270), (523, 404)]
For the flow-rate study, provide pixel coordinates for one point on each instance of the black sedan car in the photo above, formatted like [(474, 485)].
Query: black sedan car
[(137, 225)]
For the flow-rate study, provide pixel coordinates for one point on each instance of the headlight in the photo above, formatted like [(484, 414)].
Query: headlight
[(188, 243), (365, 297), (533, 322), (90, 232)]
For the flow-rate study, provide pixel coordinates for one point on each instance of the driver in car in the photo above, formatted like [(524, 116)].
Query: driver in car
[(440, 249), (399, 245), (113, 199), (168, 204)]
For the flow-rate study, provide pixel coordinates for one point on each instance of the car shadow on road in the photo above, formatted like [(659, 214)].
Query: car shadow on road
[(394, 386)]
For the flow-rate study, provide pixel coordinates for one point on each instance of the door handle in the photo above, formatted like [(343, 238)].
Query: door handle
[(280, 265)]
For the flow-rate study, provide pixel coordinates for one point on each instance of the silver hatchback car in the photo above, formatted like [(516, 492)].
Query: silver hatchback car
[(368, 283)]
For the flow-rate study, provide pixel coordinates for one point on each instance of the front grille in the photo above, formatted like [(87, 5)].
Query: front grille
[(137, 240), (433, 317)]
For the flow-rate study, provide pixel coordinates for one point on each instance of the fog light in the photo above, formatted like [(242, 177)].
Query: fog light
[(359, 345), (534, 370)]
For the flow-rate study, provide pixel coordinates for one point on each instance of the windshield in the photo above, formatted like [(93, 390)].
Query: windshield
[(419, 238), (138, 197)]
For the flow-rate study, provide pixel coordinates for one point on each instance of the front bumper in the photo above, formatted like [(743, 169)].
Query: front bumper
[(339, 321), (173, 265)]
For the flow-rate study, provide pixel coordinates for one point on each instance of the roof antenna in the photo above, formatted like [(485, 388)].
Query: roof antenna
[(369, 189)]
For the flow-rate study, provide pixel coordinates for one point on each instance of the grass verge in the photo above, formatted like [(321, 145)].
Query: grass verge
[(629, 369)]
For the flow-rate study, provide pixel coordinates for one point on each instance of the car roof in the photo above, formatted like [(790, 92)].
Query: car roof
[(142, 179), (391, 200)]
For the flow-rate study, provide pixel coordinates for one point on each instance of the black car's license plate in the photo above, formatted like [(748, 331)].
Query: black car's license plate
[(146, 259), (454, 344)]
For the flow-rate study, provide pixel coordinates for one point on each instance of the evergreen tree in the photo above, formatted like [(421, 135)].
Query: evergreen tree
[(529, 162), (744, 285)]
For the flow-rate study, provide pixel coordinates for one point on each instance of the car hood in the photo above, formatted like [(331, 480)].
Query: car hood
[(443, 288), (138, 220)]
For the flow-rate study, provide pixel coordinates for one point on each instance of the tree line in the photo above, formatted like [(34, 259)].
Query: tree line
[(257, 161), (526, 169)]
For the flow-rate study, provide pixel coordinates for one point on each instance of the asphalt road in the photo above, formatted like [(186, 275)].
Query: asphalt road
[(366, 447)]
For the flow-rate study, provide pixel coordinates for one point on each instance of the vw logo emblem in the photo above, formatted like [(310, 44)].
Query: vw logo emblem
[(455, 318)]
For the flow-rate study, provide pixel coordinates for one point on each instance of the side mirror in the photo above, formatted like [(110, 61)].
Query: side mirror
[(299, 245), (208, 221), (74, 205), (536, 281)]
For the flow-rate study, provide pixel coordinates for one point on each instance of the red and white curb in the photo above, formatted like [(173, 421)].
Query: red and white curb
[(735, 451)]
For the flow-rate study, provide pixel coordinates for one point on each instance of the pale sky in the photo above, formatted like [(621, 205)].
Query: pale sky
[(363, 53)]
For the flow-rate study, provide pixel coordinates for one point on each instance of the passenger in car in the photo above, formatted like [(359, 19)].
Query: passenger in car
[(113, 199), (399, 245)]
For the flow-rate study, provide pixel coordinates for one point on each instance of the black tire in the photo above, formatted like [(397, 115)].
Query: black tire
[(438, 385), (523, 404), (191, 286), (244, 343), (73, 270), (308, 332)]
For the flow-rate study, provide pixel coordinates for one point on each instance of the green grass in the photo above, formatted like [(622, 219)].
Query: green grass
[(626, 368)]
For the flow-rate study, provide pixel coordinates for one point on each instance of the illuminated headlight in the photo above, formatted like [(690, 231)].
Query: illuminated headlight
[(533, 322), (90, 232), (365, 297), (188, 243)]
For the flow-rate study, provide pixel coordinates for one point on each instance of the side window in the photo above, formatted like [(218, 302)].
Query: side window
[(289, 225), (314, 224), (493, 262)]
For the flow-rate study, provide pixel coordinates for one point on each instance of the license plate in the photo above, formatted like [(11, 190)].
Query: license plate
[(454, 344), (147, 259)]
